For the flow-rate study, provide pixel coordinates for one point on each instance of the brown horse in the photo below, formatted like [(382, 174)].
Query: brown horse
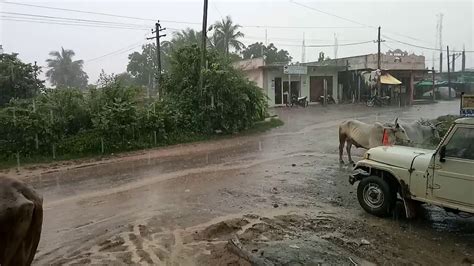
[(362, 135), (21, 219)]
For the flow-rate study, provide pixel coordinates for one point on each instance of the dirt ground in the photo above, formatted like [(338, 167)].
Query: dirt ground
[(283, 194)]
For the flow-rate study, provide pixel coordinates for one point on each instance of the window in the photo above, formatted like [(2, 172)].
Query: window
[(461, 145)]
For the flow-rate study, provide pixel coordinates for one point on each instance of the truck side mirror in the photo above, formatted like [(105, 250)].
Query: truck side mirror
[(442, 154)]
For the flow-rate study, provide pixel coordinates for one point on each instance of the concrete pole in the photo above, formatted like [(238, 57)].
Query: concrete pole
[(433, 76), (325, 91), (288, 100), (358, 88), (449, 74)]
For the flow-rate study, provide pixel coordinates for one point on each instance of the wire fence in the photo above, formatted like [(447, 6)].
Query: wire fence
[(28, 132)]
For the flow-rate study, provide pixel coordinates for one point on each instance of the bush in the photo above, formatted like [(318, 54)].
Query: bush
[(446, 122), (227, 101), (77, 122)]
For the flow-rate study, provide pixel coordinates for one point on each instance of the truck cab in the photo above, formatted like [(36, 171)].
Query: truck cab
[(442, 177)]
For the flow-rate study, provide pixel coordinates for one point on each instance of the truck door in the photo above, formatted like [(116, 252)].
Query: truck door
[(454, 178)]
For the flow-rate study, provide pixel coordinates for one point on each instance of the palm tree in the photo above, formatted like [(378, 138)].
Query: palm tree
[(226, 35), (63, 71), (184, 37)]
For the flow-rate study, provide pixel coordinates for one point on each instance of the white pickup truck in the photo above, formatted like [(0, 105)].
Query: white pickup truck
[(442, 177)]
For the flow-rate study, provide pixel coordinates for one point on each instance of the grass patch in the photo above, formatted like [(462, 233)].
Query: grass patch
[(264, 126), (259, 127)]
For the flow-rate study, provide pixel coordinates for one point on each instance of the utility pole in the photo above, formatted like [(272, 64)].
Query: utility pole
[(440, 62), (378, 53), (303, 51), (433, 77), (463, 59), (453, 63), (347, 80), (203, 46), (379, 60), (156, 31), (449, 74), (36, 77), (266, 37)]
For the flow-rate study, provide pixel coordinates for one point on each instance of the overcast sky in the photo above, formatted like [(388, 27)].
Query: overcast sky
[(412, 22)]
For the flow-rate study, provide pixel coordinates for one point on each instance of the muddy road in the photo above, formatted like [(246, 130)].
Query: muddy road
[(282, 193)]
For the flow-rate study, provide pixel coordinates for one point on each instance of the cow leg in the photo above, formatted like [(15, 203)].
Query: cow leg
[(342, 140), (21, 218), (348, 149)]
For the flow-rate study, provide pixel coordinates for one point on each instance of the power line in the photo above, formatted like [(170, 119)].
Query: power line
[(321, 45), (98, 13), (56, 22), (176, 21), (340, 44), (386, 45), (117, 52), (75, 10), (299, 27), (422, 47), (73, 19), (330, 14), (350, 20)]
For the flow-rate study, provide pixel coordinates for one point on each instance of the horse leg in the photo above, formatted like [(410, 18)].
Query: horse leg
[(348, 149), (342, 140)]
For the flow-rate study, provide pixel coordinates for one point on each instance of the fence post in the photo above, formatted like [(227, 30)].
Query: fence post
[(14, 117), (36, 141), (102, 144), (154, 137), (18, 161), (36, 134), (54, 151)]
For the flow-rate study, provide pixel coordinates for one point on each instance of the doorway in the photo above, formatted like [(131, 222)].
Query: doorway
[(316, 87), (282, 91), (278, 91), (295, 90)]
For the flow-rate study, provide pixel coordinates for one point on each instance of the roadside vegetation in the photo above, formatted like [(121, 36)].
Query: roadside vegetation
[(123, 112), (115, 116)]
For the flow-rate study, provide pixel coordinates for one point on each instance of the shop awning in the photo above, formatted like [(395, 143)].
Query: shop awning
[(389, 79), (429, 83)]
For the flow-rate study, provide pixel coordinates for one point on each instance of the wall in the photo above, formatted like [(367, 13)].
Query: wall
[(253, 70), (255, 75), (409, 62), (271, 73), (322, 71)]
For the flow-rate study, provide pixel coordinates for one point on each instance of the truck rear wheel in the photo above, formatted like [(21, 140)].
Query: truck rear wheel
[(375, 196)]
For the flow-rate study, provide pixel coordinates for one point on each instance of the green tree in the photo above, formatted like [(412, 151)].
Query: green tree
[(322, 58), (228, 101), (64, 72), (270, 52), (185, 37), (143, 66), (226, 35), (17, 79)]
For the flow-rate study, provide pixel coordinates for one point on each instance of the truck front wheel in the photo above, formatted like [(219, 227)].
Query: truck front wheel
[(375, 196)]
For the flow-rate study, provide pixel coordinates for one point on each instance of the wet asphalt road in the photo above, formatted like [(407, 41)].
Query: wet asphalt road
[(181, 186)]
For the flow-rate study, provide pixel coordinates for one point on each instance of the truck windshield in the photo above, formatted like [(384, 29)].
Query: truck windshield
[(461, 144)]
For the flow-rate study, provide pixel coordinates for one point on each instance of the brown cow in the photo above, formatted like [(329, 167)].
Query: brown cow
[(21, 219)]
